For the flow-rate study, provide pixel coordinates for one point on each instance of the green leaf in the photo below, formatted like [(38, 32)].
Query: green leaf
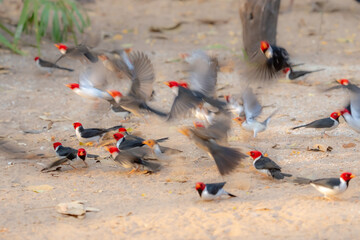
[(22, 20), (44, 19), (7, 44), (56, 34), (6, 30)]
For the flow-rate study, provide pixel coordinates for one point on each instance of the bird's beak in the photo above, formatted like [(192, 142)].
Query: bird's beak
[(57, 45), (167, 84), (111, 93), (197, 186), (81, 154), (248, 153), (107, 149), (339, 113), (128, 50), (238, 120), (145, 142), (338, 80), (184, 131), (352, 176), (68, 85), (102, 57)]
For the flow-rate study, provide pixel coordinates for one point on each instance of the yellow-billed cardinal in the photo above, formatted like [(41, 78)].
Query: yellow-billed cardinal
[(203, 79), (268, 62), (62, 151), (252, 109), (90, 135), (90, 82), (329, 186), (266, 165), (47, 66), (226, 158), (141, 73), (211, 191), (80, 52), (292, 75), (81, 154), (132, 158), (326, 124)]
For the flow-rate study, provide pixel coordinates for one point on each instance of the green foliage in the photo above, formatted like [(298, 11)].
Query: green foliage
[(62, 16)]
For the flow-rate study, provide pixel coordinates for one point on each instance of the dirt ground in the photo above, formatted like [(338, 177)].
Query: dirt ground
[(165, 205)]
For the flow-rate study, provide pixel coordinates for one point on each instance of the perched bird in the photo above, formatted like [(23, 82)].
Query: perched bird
[(326, 124), (329, 186), (81, 155), (253, 109), (292, 75), (202, 79), (80, 52), (90, 135), (211, 191), (266, 165), (268, 62), (62, 151), (133, 158), (207, 139), (141, 73), (47, 66)]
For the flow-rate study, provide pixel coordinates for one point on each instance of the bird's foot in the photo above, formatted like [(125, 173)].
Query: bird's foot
[(132, 171), (72, 166)]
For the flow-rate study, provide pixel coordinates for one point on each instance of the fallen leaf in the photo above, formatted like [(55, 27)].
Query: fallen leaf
[(213, 21), (349, 145), (320, 148), (75, 209), (263, 209), (162, 29), (117, 37), (40, 188)]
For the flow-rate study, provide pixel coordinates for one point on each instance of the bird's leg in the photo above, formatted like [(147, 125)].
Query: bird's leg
[(89, 144), (72, 166), (86, 165), (325, 135), (255, 133), (132, 171)]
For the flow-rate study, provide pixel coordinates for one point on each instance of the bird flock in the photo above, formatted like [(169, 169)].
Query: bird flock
[(196, 97)]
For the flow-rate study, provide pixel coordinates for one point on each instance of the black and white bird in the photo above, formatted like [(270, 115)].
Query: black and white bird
[(268, 62), (329, 186), (293, 75), (79, 155), (253, 109), (211, 191), (127, 141), (325, 124), (47, 66), (266, 165), (90, 135), (62, 151)]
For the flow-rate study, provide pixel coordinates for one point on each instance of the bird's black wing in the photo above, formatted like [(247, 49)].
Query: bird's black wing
[(327, 182), (321, 123), (266, 163), (92, 132), (213, 188)]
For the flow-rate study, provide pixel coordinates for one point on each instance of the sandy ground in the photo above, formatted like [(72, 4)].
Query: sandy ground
[(165, 205)]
